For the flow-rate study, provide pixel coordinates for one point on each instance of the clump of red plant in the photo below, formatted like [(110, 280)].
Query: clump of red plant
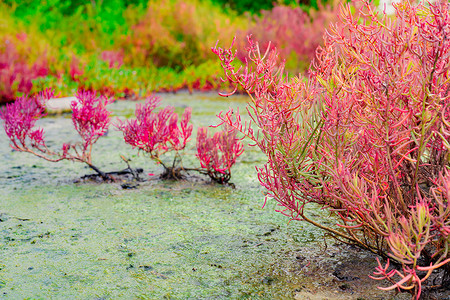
[(157, 133), (366, 137), (90, 118), (217, 154)]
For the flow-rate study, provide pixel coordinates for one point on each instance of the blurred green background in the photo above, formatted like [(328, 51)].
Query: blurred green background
[(132, 48)]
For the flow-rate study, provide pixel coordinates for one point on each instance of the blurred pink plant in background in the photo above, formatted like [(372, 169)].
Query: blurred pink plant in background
[(16, 73), (113, 58)]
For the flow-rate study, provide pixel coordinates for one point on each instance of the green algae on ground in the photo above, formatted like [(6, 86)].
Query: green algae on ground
[(174, 239), (182, 240)]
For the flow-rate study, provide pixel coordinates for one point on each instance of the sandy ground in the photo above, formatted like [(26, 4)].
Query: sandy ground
[(59, 105)]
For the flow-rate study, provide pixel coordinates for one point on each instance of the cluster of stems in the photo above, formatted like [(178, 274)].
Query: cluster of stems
[(366, 136)]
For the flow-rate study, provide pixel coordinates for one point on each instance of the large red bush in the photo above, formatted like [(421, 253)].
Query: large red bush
[(366, 137)]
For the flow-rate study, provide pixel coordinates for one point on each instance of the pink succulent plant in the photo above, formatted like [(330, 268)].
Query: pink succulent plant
[(156, 133), (217, 154), (366, 136)]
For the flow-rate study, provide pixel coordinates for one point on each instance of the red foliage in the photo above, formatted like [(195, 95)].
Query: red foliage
[(20, 118), (366, 137), (217, 154), (90, 118), (165, 37), (156, 133)]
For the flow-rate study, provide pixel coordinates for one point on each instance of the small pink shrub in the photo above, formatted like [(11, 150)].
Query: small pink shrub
[(90, 118), (366, 137), (217, 154), (156, 133)]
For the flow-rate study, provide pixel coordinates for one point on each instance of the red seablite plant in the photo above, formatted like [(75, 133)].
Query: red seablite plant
[(366, 137), (156, 133), (217, 154), (90, 118)]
